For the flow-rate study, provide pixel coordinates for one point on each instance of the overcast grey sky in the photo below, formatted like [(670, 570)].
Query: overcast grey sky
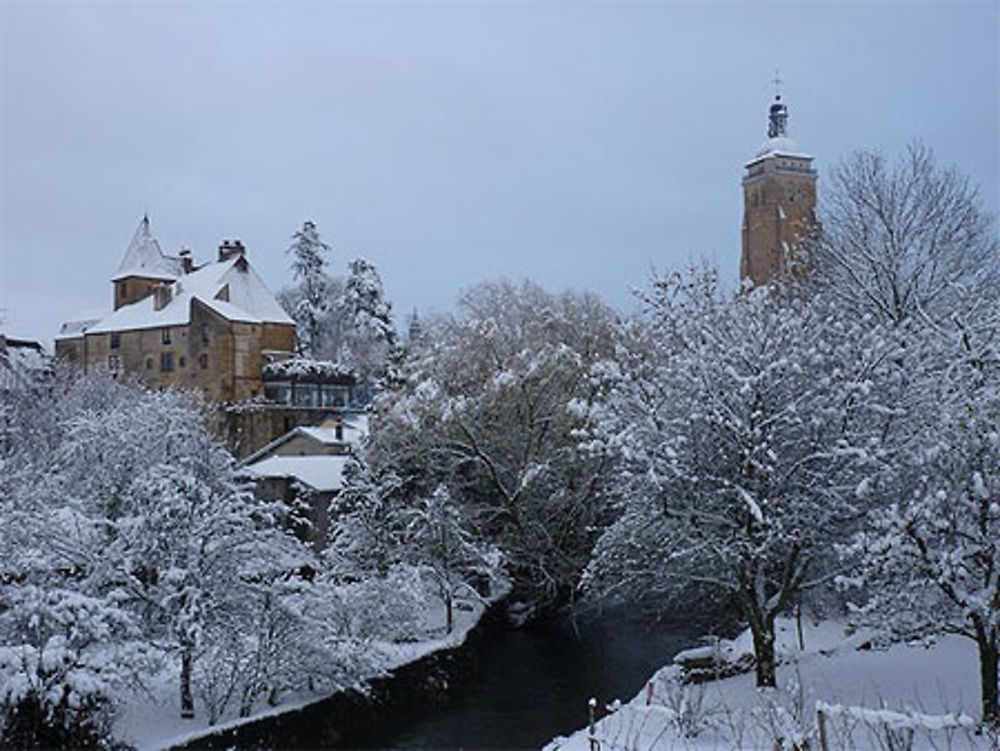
[(577, 144)]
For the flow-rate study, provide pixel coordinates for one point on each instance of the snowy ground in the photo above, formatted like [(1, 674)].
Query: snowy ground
[(152, 719), (866, 695)]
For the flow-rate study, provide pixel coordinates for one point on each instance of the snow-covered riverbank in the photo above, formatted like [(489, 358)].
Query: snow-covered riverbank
[(152, 719), (863, 695)]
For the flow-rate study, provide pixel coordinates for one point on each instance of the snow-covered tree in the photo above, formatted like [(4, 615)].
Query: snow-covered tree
[(490, 409), (906, 238), (742, 429), (367, 525), (929, 561), (119, 495), (440, 540), (347, 319), (311, 300), (369, 335)]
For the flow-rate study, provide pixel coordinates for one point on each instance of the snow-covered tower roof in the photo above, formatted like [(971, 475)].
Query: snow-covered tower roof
[(231, 288), (144, 258), (778, 143)]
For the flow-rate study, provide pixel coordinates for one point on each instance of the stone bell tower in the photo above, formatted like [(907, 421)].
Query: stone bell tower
[(779, 201)]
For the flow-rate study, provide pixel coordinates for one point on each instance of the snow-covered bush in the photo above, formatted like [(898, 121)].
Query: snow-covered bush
[(440, 540), (66, 657), (388, 607)]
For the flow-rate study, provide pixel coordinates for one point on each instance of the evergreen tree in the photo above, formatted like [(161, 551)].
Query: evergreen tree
[(309, 259), (369, 341)]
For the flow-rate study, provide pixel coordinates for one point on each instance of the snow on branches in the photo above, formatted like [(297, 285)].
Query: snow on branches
[(929, 560), (490, 409), (742, 427), (123, 524)]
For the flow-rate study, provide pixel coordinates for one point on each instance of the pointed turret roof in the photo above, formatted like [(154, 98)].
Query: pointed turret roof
[(144, 257), (231, 288)]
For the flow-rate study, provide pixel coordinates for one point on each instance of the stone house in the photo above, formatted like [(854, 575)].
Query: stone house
[(211, 328)]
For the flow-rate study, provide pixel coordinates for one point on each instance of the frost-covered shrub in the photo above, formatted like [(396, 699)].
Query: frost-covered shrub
[(388, 607), (691, 713), (66, 656)]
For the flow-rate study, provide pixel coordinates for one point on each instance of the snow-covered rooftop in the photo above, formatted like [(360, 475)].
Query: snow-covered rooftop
[(323, 473), (305, 368), (354, 429), (780, 146), (81, 322), (144, 258), (231, 288)]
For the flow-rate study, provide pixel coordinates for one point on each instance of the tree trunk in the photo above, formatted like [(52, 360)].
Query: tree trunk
[(450, 608), (988, 653), (762, 631), (187, 700), (763, 647)]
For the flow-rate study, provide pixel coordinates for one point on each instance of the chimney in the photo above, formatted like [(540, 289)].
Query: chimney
[(187, 262), (162, 294), (229, 249)]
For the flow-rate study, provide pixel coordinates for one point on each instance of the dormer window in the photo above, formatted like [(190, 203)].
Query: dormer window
[(165, 336)]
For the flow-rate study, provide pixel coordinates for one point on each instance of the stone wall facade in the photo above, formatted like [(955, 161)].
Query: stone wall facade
[(779, 200), (222, 359)]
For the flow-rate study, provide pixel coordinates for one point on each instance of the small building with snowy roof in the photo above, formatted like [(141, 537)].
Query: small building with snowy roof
[(335, 436), (304, 468), (211, 327)]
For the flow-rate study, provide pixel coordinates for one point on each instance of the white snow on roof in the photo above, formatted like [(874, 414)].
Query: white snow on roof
[(323, 473), (326, 436), (248, 300), (144, 257), (80, 322), (780, 146), (354, 429)]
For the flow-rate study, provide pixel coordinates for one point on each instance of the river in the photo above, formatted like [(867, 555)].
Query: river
[(506, 689), (534, 683)]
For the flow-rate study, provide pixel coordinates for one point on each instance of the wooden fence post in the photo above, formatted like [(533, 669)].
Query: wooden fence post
[(591, 737), (821, 723)]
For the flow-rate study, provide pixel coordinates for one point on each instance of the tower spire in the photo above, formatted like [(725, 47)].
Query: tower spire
[(777, 123), (779, 200)]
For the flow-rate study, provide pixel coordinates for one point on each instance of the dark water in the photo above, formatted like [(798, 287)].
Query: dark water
[(534, 684)]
